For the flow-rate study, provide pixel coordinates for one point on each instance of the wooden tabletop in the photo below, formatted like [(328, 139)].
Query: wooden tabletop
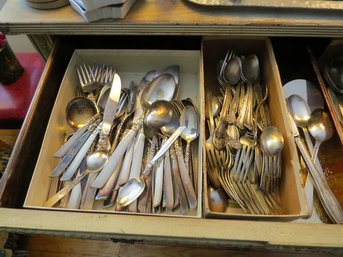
[(171, 17)]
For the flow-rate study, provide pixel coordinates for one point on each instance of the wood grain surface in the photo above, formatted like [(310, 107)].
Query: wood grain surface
[(168, 17), (46, 246)]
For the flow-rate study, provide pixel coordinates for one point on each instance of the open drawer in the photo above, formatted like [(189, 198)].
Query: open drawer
[(119, 227)]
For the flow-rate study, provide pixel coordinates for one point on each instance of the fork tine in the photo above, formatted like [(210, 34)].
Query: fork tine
[(81, 79), (85, 74), (91, 72)]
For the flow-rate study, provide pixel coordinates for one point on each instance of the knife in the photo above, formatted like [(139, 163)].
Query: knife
[(327, 198), (110, 112)]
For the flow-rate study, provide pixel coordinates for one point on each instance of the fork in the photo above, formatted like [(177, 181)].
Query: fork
[(87, 78)]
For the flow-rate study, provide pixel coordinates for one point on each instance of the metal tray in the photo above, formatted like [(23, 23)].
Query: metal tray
[(294, 4)]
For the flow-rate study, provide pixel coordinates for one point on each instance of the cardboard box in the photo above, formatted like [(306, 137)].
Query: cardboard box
[(292, 194), (131, 65)]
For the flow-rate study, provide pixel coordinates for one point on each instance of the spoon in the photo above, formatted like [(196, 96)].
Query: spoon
[(190, 119), (79, 111), (162, 87), (159, 114), (251, 69), (103, 145), (233, 70), (271, 142), (217, 199), (321, 128), (148, 77), (135, 186), (93, 165), (301, 113), (175, 194)]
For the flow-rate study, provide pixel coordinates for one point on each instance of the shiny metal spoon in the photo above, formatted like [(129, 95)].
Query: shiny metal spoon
[(79, 111), (162, 87), (233, 71), (190, 119), (301, 113), (135, 186), (251, 69), (321, 128), (271, 142)]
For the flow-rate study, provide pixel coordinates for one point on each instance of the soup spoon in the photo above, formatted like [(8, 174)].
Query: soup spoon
[(79, 111)]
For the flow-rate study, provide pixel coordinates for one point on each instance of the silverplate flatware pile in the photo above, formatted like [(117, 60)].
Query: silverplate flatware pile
[(243, 149), (132, 147)]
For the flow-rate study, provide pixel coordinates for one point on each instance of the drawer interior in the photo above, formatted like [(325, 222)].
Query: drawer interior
[(16, 179), (15, 182)]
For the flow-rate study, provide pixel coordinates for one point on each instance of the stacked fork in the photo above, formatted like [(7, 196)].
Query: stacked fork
[(233, 154)]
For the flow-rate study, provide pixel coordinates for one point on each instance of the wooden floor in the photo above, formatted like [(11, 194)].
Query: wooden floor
[(46, 246)]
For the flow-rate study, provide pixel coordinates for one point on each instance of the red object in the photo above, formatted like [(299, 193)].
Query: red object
[(15, 98)]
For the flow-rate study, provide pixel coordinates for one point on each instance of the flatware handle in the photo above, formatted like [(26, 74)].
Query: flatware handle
[(168, 184), (88, 195), (114, 160), (107, 188), (157, 196), (75, 196), (125, 169), (187, 183), (69, 156), (78, 158), (138, 156), (180, 191), (60, 194), (67, 145), (325, 194)]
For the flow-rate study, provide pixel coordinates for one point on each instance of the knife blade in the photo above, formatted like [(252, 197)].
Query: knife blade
[(111, 104), (327, 198)]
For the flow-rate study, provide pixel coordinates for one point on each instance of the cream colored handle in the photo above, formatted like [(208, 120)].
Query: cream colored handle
[(157, 197), (78, 158), (114, 160)]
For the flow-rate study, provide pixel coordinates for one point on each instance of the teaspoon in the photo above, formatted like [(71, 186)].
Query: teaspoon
[(321, 128)]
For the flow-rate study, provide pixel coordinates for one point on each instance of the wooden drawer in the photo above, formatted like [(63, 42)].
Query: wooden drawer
[(131, 228)]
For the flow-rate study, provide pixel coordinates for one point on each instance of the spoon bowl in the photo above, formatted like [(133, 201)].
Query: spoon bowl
[(159, 114), (321, 128), (233, 70), (96, 160), (251, 69), (299, 110), (301, 113), (271, 141), (162, 87), (79, 111)]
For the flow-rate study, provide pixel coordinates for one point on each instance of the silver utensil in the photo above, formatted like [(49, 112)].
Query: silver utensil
[(135, 186), (321, 128), (327, 198)]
